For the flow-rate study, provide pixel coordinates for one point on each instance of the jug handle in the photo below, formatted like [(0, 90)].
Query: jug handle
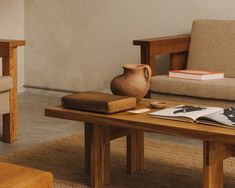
[(147, 72)]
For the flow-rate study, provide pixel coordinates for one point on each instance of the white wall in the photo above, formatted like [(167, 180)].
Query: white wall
[(12, 27), (81, 44)]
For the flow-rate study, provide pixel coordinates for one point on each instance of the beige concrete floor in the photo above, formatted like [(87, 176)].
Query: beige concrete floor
[(35, 128)]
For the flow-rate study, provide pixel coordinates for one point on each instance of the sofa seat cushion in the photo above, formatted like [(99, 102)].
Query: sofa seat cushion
[(212, 89), (5, 83), (4, 102)]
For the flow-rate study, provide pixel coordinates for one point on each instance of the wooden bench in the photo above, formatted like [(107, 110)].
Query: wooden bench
[(14, 176)]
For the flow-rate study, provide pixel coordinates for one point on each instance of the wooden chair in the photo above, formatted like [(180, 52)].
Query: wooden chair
[(209, 47), (8, 88)]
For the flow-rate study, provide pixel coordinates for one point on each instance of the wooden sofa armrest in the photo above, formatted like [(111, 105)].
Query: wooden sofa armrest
[(177, 46)]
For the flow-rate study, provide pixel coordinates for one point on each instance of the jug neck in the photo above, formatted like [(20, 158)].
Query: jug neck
[(133, 68)]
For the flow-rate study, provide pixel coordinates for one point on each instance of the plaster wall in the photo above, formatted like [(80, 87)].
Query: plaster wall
[(12, 27), (82, 44)]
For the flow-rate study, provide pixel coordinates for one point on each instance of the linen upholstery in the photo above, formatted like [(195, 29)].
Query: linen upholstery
[(5, 83), (4, 102), (193, 100), (212, 46), (215, 89)]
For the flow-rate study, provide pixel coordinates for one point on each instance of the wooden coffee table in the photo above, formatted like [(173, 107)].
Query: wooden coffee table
[(100, 129)]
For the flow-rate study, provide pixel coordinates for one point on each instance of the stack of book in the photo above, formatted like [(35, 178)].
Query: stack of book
[(195, 74)]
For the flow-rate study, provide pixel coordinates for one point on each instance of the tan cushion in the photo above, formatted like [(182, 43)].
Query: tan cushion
[(212, 46), (216, 89), (5, 83), (4, 102), (193, 100)]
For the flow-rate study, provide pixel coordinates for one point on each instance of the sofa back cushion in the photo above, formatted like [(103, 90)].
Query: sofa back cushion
[(212, 46)]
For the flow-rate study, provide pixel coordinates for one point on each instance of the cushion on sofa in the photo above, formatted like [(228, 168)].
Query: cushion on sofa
[(212, 46), (4, 103), (216, 89), (5, 83)]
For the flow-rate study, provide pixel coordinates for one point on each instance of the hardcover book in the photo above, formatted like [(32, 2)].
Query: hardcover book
[(196, 74), (206, 115), (98, 102)]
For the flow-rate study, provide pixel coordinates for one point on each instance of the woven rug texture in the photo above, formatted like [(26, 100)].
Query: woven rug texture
[(167, 165)]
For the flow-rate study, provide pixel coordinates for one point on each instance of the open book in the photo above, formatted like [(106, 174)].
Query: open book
[(207, 115)]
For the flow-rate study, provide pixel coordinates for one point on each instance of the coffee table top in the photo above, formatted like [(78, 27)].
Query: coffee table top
[(146, 123)]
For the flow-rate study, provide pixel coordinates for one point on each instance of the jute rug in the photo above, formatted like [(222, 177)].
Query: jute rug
[(166, 164)]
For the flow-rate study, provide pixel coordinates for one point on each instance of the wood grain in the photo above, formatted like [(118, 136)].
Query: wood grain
[(8, 53), (5, 43), (135, 151), (178, 61), (12, 176), (100, 156), (116, 132), (150, 48), (10, 121), (219, 142), (213, 155), (146, 123), (217, 151), (87, 157)]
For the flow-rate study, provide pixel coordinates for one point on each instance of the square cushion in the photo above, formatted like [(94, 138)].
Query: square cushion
[(4, 102), (5, 83), (213, 89), (212, 46)]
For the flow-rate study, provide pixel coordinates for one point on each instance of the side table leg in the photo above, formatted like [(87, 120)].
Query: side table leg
[(99, 156), (213, 155), (135, 151)]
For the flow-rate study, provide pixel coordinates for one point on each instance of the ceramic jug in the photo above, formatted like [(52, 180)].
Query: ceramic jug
[(135, 81)]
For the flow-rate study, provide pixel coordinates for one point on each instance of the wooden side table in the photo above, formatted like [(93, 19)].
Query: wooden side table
[(8, 53)]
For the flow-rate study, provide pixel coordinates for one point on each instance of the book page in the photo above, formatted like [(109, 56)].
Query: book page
[(191, 112), (226, 117)]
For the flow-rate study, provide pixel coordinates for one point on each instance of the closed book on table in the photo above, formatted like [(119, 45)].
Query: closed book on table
[(195, 74), (98, 102)]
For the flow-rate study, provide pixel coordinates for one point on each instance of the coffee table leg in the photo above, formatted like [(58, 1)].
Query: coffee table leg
[(99, 154), (88, 131), (135, 151), (213, 155)]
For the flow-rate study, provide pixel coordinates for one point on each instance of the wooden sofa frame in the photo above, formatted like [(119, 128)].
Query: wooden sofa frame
[(176, 46), (8, 53)]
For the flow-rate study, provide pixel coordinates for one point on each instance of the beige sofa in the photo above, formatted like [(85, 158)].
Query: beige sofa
[(211, 47)]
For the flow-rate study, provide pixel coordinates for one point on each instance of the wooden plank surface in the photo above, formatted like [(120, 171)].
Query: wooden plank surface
[(146, 123), (12, 176), (165, 45)]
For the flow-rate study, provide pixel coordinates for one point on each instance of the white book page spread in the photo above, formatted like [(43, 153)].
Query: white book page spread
[(181, 111)]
